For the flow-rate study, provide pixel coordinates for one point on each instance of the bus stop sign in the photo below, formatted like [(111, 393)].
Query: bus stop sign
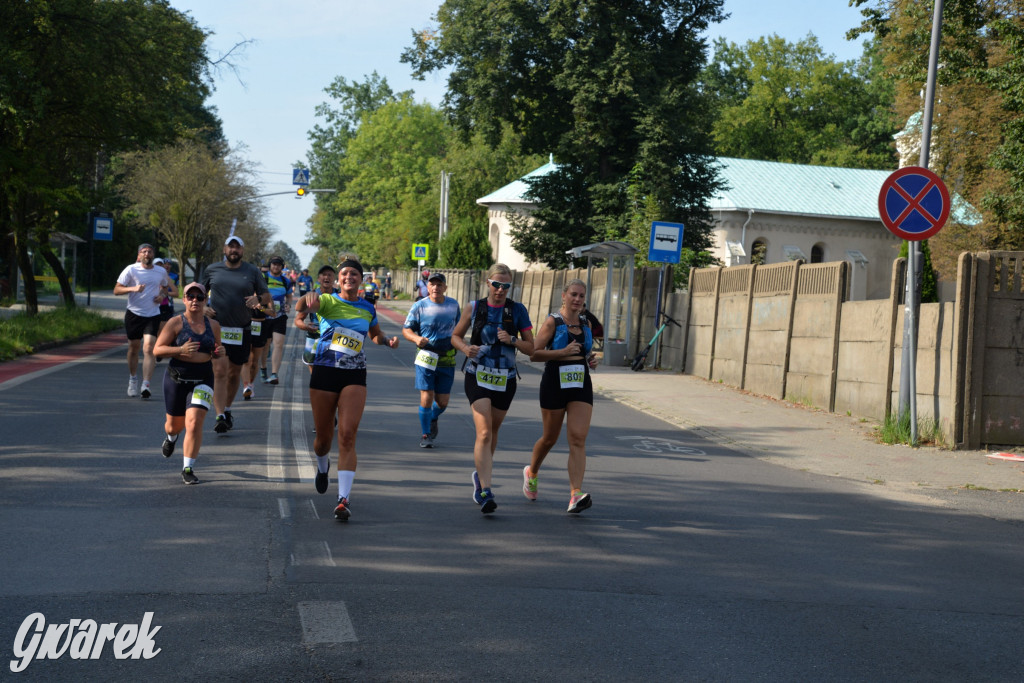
[(913, 203)]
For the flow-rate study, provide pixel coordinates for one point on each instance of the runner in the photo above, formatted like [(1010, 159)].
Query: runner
[(491, 369), (146, 287), (304, 282), (235, 288), (189, 380), (564, 342), (429, 326), (421, 286), (387, 286), (310, 322), (337, 384), (280, 287), (167, 304)]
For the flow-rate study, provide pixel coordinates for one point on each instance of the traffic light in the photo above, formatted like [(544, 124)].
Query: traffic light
[(301, 192)]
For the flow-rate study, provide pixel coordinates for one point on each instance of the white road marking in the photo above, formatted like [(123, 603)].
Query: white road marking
[(326, 622)]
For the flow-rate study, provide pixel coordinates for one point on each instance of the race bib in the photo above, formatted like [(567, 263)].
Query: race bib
[(495, 379), (571, 376), (426, 359), (346, 341), (257, 328), (202, 396), (231, 336)]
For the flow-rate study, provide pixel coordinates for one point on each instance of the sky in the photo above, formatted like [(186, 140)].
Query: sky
[(298, 49)]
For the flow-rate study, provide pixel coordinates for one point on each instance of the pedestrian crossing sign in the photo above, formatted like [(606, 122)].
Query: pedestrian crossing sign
[(420, 252), (300, 176)]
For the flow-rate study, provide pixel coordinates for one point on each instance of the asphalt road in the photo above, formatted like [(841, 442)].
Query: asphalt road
[(695, 562)]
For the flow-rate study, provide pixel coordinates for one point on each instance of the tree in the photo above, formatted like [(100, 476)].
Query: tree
[(782, 101), (190, 195), (609, 88), (81, 80), (975, 135)]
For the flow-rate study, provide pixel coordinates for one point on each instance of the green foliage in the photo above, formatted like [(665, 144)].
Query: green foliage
[(608, 88), (384, 154), (21, 334), (466, 247), (81, 80), (781, 101), (281, 248), (189, 194)]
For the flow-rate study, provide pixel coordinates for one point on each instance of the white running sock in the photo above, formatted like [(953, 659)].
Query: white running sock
[(345, 479), (321, 462), (189, 462), (174, 438)]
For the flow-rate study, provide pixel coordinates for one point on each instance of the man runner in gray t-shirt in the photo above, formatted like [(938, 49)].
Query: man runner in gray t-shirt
[(235, 288)]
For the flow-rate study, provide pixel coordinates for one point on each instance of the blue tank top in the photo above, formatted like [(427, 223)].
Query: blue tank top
[(206, 340), (563, 337)]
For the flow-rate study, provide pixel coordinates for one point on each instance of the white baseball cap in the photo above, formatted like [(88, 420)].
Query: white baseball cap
[(234, 238)]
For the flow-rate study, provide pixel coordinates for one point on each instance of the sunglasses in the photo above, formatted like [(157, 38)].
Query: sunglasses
[(500, 285), (195, 297)]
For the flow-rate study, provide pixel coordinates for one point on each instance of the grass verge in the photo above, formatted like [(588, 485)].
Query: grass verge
[(22, 334), (896, 430)]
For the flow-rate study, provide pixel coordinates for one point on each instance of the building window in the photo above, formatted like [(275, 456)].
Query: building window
[(818, 253), (759, 252), (494, 239)]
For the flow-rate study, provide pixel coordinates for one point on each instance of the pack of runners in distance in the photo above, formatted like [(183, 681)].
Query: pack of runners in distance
[(234, 309)]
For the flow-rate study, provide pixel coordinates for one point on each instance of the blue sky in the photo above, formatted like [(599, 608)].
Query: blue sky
[(268, 107)]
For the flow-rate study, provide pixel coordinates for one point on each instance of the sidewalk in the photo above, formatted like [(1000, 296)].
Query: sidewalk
[(802, 438), (795, 436)]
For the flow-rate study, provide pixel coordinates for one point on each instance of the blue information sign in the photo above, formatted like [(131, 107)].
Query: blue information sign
[(103, 227), (300, 176), (666, 242)]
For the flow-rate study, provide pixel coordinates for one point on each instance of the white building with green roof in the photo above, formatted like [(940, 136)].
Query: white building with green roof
[(768, 212)]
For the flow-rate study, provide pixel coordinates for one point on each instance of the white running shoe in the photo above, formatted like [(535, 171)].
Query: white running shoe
[(133, 387), (146, 393)]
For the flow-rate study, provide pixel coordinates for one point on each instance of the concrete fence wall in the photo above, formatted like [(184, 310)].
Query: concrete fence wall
[(784, 330)]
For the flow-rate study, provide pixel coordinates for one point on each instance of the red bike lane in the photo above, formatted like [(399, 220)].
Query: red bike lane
[(44, 360)]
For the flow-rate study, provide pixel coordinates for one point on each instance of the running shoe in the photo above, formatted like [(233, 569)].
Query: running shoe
[(433, 429), (488, 504), (322, 480), (273, 378), (426, 441), (133, 387), (248, 393), (146, 393), (263, 375), (228, 419), (579, 502), (476, 489), (168, 448), (529, 484), (343, 511), (221, 426), (188, 476)]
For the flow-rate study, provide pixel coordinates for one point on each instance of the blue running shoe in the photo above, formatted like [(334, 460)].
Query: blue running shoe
[(476, 489), (487, 504)]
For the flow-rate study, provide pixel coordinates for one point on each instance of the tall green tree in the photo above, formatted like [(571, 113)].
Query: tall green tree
[(189, 195), (80, 81), (282, 249), (781, 101), (608, 88), (975, 135)]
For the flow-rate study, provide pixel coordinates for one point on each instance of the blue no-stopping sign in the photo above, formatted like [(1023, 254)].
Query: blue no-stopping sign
[(913, 203)]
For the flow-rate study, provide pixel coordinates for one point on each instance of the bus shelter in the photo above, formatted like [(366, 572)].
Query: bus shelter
[(618, 294)]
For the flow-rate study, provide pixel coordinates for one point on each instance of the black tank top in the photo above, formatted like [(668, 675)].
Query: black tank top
[(206, 339)]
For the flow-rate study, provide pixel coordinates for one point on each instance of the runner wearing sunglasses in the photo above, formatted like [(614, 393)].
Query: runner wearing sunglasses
[(499, 328), (191, 341)]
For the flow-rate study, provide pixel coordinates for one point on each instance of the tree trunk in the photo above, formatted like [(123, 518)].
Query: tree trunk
[(25, 266), (62, 277)]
